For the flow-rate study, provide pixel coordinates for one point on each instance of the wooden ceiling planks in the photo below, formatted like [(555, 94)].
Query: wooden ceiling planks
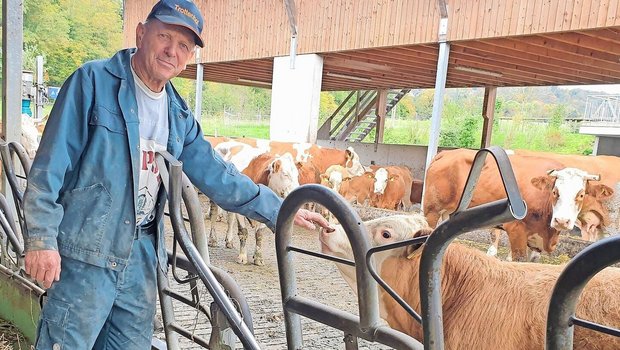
[(392, 43)]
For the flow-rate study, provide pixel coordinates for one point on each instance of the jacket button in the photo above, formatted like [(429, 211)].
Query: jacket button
[(126, 222), (56, 346), (113, 264), (132, 111), (178, 139), (138, 147), (180, 116)]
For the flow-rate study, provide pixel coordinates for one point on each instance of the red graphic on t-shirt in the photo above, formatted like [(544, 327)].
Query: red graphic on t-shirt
[(148, 161)]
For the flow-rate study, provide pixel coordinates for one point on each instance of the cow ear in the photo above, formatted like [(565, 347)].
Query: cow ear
[(411, 251), (542, 183), (275, 166), (599, 191)]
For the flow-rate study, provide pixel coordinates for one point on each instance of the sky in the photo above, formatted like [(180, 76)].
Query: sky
[(610, 89)]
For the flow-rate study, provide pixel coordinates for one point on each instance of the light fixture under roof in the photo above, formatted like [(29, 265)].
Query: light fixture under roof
[(256, 82), (346, 76), (479, 71)]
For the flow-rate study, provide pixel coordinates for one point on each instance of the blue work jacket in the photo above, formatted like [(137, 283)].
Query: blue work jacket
[(83, 185)]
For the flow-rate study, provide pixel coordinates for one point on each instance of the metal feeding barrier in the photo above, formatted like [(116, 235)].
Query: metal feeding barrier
[(461, 221), (368, 325), (229, 310), (561, 316), (17, 181)]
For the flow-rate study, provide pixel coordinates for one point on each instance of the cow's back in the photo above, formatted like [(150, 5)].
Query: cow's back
[(489, 304)]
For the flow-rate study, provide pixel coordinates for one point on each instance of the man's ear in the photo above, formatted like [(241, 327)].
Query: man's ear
[(140, 30), (413, 250)]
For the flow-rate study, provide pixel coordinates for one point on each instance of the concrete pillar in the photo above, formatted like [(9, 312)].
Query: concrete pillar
[(295, 98), (488, 113)]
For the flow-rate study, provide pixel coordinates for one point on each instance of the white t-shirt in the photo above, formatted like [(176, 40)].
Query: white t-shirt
[(154, 130)]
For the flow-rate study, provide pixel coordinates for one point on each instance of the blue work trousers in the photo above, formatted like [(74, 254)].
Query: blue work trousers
[(98, 308)]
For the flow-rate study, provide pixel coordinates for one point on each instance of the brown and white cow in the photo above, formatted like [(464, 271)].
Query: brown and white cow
[(280, 173), (487, 304), (392, 188), (358, 189), (553, 197), (321, 157), (608, 169)]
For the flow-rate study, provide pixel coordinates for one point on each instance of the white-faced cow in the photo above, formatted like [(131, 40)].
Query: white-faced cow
[(487, 304), (554, 195)]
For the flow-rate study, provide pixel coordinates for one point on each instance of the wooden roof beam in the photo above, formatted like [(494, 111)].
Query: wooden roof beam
[(542, 55), (531, 66)]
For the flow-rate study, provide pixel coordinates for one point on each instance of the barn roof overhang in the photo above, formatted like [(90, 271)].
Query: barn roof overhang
[(566, 58)]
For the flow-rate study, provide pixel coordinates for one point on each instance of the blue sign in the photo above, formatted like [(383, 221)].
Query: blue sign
[(52, 92)]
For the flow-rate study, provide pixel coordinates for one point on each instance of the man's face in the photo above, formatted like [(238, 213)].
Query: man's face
[(164, 49)]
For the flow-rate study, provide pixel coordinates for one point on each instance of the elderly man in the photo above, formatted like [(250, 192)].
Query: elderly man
[(94, 203)]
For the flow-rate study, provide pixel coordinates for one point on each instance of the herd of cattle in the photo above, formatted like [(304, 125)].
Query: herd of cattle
[(562, 192)]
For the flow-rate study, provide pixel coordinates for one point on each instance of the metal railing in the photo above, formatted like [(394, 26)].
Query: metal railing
[(461, 221), (561, 317), (602, 110), (228, 301), (368, 325)]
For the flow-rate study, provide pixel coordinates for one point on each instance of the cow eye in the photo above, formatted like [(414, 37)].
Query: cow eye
[(555, 192), (386, 234)]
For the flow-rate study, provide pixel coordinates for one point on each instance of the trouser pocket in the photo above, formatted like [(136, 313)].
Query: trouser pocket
[(52, 326)]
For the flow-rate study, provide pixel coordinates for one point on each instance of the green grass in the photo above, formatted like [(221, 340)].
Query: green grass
[(507, 134), (217, 126)]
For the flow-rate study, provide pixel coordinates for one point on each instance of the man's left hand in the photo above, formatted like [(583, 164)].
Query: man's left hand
[(308, 219)]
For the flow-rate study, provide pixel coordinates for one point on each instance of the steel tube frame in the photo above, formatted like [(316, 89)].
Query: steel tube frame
[(462, 221), (368, 325), (172, 177), (7, 151), (568, 288)]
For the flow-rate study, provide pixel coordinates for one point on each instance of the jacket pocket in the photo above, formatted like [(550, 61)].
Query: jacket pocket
[(87, 211), (109, 119)]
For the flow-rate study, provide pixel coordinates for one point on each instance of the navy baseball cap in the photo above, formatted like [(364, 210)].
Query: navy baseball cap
[(181, 13)]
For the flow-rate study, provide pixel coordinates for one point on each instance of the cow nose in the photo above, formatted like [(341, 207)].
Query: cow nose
[(563, 223)]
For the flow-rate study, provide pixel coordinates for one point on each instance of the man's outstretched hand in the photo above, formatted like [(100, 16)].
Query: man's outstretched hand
[(43, 266), (309, 219)]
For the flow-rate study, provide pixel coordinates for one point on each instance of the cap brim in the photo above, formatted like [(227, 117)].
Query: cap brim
[(177, 22)]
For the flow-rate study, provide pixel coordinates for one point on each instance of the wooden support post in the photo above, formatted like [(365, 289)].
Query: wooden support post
[(380, 113), (488, 112)]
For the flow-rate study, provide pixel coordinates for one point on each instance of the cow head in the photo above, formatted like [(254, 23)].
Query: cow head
[(592, 218), (283, 175), (382, 178), (568, 188), (381, 231)]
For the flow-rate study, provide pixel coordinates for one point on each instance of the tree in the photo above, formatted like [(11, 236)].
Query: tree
[(70, 32)]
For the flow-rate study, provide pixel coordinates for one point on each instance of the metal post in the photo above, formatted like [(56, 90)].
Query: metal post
[(38, 100), (440, 85), (12, 39), (199, 83), (12, 46), (292, 19)]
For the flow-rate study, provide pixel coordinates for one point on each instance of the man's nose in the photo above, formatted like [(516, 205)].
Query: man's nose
[(170, 50)]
